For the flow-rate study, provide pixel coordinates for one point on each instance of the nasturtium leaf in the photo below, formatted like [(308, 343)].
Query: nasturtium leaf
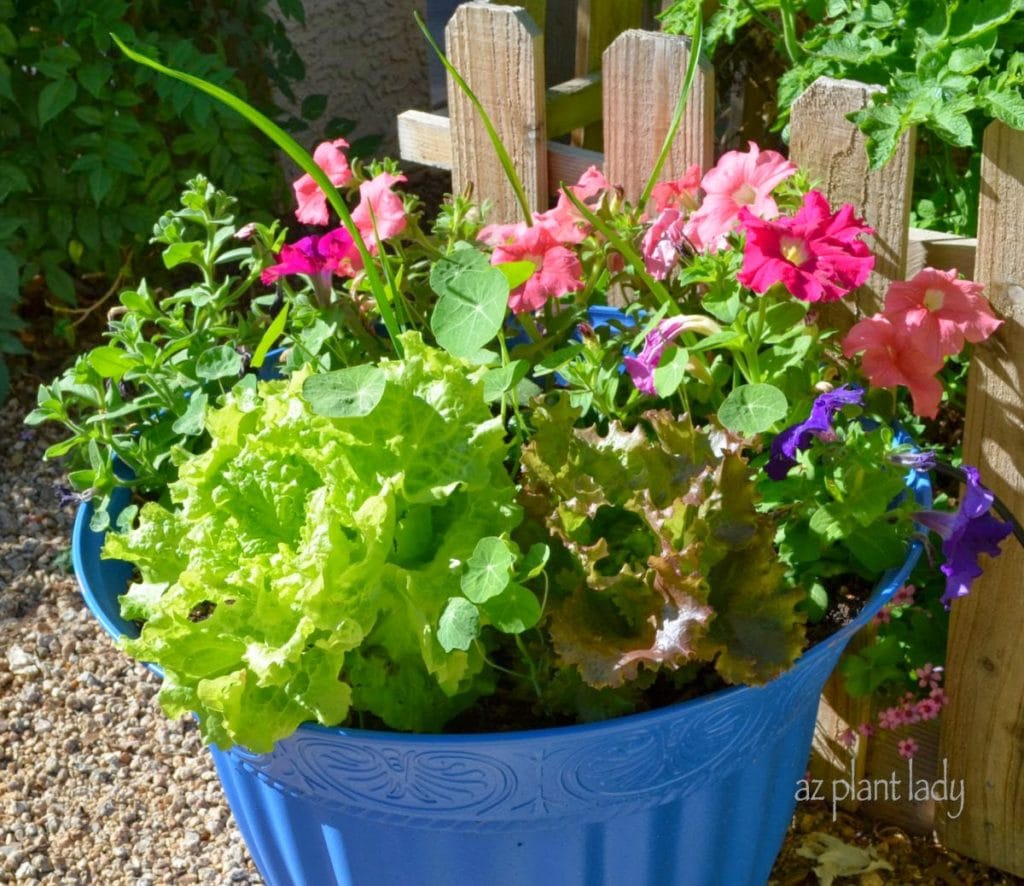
[(459, 625), (516, 272), (753, 409), (669, 374), (222, 361), (193, 421), (502, 379), (489, 570), (345, 393), (534, 562), (514, 611), (473, 299)]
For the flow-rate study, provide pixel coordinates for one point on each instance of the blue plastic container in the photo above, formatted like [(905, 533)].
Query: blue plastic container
[(698, 793)]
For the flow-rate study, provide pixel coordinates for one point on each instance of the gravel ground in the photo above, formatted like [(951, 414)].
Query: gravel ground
[(98, 787)]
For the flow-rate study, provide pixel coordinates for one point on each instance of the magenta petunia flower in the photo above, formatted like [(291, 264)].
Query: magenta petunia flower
[(817, 424), (739, 180), (816, 255), (312, 201), (891, 359), (379, 207), (940, 311), (641, 367), (972, 531), (557, 270), (318, 257)]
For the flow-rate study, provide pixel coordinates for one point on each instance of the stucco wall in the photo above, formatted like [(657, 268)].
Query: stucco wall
[(368, 57)]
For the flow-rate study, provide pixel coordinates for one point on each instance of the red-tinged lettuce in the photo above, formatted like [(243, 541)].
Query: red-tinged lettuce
[(670, 562), (317, 554)]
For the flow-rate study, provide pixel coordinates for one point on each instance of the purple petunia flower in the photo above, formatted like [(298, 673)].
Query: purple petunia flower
[(817, 424), (641, 367), (968, 533)]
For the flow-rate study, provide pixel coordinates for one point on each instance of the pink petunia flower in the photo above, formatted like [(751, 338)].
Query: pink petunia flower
[(891, 359), (662, 242), (941, 311), (678, 194), (816, 255), (739, 180), (907, 748), (557, 270), (312, 201), (387, 208)]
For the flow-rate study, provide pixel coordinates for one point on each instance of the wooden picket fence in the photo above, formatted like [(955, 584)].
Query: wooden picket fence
[(499, 51)]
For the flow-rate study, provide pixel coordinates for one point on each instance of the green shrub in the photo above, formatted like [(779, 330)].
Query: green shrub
[(949, 67), (92, 146)]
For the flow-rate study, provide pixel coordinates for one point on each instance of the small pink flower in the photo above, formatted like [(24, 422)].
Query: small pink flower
[(883, 616), (815, 254), (662, 242), (847, 738), (939, 696), (866, 729), (246, 231), (941, 310), (929, 675), (891, 358), (312, 201), (890, 718), (557, 270), (907, 748), (678, 194), (904, 596), (387, 208), (928, 708), (738, 180), (910, 713)]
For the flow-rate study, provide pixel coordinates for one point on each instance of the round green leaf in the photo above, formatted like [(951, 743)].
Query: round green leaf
[(488, 570), (345, 393), (473, 298), (753, 409), (459, 625), (513, 612)]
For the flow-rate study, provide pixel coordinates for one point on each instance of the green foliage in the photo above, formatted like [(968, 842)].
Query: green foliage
[(346, 529), (93, 146), (948, 68), (144, 393)]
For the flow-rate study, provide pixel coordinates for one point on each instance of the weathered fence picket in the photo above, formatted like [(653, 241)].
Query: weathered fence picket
[(983, 728), (499, 52)]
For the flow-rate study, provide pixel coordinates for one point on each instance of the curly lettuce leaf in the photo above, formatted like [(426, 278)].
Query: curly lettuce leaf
[(655, 521), (307, 560)]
